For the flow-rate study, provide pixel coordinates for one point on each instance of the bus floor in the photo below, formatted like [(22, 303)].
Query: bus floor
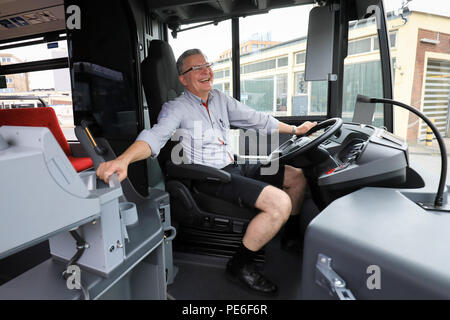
[(202, 277)]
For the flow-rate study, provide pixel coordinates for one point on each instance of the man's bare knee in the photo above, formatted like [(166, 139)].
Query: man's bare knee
[(300, 175), (293, 178), (275, 202)]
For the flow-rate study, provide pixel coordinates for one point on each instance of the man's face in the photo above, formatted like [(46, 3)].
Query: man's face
[(199, 82)]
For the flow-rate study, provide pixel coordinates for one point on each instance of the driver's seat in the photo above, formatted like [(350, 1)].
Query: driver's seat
[(206, 224)]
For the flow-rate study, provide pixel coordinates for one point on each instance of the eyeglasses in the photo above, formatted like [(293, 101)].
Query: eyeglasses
[(198, 68)]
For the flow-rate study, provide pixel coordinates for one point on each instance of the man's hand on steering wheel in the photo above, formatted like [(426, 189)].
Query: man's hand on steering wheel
[(299, 143), (304, 128)]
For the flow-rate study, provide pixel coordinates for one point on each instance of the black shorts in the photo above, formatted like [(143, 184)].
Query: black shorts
[(245, 186)]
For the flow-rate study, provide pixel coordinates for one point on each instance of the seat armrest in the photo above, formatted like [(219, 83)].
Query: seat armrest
[(196, 172)]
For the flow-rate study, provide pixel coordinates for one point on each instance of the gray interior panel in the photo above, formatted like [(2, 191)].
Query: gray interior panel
[(381, 227)]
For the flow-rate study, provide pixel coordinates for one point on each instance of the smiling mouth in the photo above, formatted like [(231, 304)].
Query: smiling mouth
[(205, 80)]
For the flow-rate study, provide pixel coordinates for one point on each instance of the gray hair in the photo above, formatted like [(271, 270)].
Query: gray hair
[(184, 55)]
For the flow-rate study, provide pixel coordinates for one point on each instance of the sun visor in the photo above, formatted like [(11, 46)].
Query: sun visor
[(319, 46)]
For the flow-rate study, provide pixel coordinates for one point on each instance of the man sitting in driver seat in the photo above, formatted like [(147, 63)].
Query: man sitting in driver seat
[(275, 196)]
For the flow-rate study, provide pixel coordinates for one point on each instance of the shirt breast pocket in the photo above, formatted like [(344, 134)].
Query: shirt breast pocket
[(224, 124)]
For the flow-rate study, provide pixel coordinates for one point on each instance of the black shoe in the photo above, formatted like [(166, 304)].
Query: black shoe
[(249, 278)]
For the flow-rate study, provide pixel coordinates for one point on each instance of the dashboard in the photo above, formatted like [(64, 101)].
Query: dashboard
[(362, 155)]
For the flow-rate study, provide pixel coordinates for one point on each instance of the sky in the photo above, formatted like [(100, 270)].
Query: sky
[(283, 24)]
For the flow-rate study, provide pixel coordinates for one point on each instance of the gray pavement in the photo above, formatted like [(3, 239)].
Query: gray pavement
[(429, 157), (422, 149)]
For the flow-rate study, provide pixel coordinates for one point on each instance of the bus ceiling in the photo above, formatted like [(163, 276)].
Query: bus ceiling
[(175, 13), (20, 19), (178, 12), (25, 18)]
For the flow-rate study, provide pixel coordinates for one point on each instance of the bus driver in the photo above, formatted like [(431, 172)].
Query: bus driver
[(276, 196)]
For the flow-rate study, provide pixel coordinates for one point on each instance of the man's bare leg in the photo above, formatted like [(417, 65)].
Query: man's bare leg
[(294, 184), (275, 206)]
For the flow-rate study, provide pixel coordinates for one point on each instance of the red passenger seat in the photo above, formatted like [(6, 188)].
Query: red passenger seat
[(43, 117)]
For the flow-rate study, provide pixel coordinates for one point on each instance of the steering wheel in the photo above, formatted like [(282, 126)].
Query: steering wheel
[(298, 145)]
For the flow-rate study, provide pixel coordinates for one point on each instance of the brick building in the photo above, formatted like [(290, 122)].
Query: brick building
[(431, 85)]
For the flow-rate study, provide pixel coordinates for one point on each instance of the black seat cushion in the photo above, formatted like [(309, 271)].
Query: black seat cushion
[(222, 207)]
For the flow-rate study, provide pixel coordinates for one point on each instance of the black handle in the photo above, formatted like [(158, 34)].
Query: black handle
[(96, 152), (100, 150)]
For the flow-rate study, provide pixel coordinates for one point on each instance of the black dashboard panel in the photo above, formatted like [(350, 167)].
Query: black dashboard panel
[(363, 156)]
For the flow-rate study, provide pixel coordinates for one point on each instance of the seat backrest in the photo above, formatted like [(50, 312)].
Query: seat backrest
[(160, 77), (161, 84), (44, 117), (36, 117)]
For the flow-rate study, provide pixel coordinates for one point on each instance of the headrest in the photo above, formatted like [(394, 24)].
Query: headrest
[(160, 77)]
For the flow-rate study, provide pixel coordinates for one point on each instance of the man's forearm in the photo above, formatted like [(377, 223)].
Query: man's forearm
[(139, 150), (304, 128), (284, 128)]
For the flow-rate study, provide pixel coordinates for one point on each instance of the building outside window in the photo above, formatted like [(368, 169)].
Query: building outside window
[(301, 87), (300, 57), (281, 96), (359, 46)]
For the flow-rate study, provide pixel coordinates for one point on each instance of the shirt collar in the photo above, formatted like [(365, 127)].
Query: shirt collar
[(198, 99)]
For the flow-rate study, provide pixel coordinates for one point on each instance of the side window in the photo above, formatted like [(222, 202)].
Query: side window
[(222, 77), (272, 72), (362, 68), (215, 42), (53, 85)]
